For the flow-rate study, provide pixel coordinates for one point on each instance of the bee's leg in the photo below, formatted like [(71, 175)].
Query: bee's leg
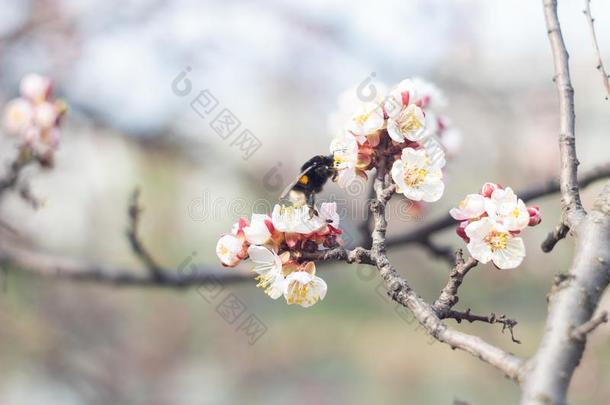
[(311, 202)]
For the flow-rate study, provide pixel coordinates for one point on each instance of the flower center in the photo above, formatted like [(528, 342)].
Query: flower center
[(224, 251), (414, 176), (515, 213), (362, 118), (297, 293), (408, 121), (497, 240)]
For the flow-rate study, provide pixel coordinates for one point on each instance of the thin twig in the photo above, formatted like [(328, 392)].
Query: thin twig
[(557, 234), (580, 333), (10, 179), (507, 323), (134, 211), (448, 297), (600, 64)]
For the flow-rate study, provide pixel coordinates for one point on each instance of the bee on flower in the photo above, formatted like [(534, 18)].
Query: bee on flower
[(35, 116), (490, 223)]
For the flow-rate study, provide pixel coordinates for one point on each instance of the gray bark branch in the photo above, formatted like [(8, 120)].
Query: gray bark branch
[(576, 295)]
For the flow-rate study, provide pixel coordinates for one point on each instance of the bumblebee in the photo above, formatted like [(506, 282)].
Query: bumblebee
[(314, 175)]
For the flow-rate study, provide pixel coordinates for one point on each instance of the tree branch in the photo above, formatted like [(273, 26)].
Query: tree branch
[(600, 64), (134, 210), (507, 323), (357, 255), (59, 267), (553, 237), (448, 297), (580, 333), (400, 291), (570, 196), (24, 158), (9, 181), (573, 302)]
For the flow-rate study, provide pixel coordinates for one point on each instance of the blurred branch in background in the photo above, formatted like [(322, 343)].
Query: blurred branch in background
[(19, 258), (26, 258), (134, 210), (600, 62), (26, 157)]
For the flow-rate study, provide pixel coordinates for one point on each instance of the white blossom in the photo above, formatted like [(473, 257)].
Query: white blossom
[(268, 265), (292, 219), (304, 288), (471, 207), (490, 241), (257, 233), (417, 177), (328, 213), (345, 154), (229, 249), (409, 123), (504, 207)]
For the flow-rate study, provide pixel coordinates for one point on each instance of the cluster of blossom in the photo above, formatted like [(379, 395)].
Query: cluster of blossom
[(414, 140), (490, 223), (35, 116), (275, 243)]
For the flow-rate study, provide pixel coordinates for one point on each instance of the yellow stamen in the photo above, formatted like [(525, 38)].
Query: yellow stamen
[(414, 176), (264, 282), (497, 240), (361, 119), (298, 294), (223, 250), (408, 122)]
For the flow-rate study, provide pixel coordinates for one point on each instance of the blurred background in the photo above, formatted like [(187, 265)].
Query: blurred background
[(279, 67)]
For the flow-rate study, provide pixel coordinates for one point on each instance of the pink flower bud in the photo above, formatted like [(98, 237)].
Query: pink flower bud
[(535, 217), (489, 188), (461, 231)]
